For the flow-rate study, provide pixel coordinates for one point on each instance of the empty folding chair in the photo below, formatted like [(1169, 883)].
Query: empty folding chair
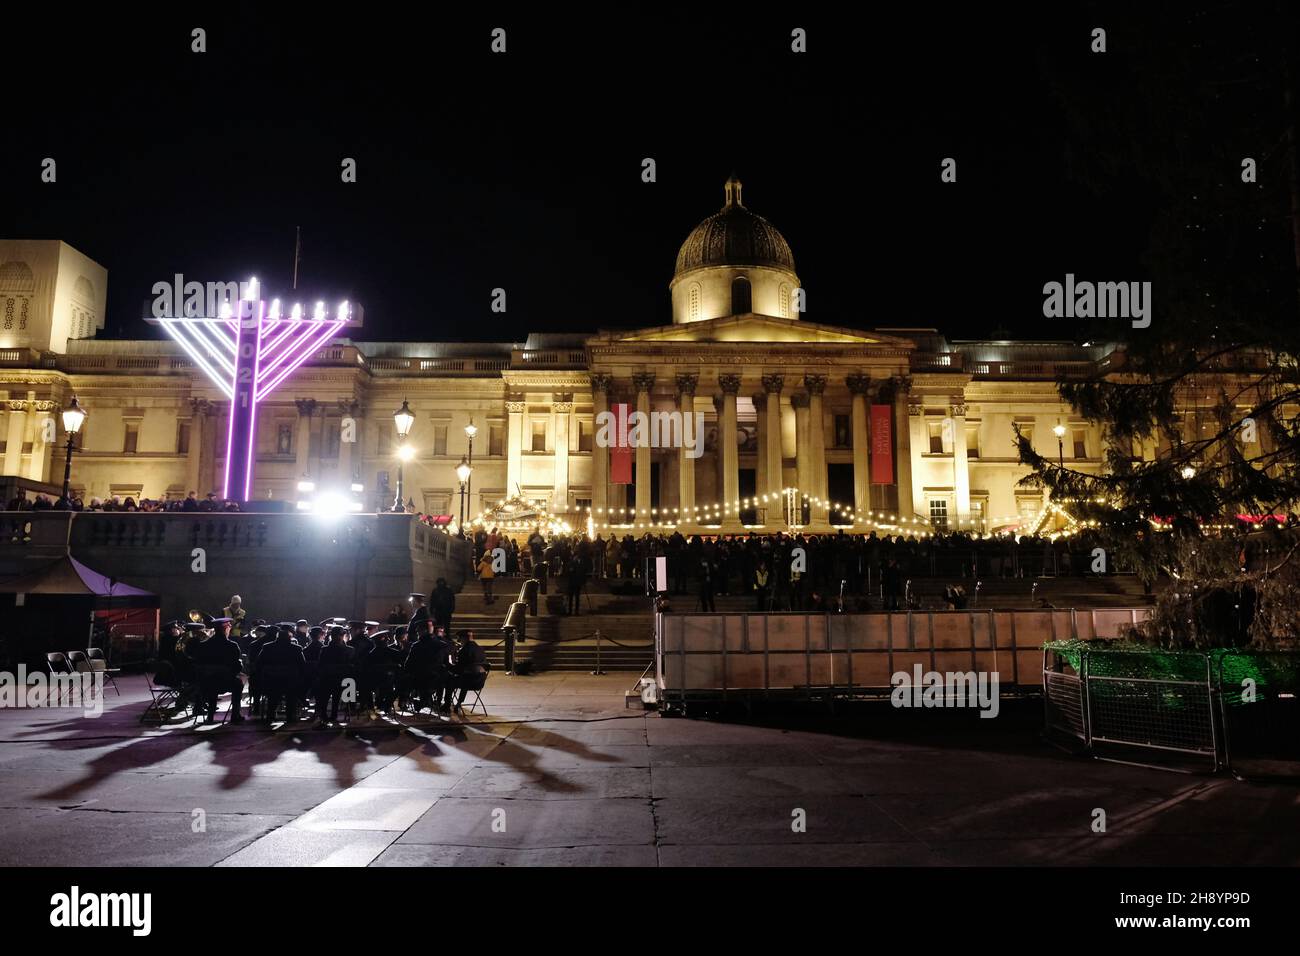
[(162, 697), (99, 664), (59, 667)]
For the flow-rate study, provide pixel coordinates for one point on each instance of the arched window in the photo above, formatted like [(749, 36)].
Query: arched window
[(741, 300), (785, 301), (695, 302)]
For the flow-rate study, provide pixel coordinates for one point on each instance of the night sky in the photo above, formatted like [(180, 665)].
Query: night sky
[(523, 171)]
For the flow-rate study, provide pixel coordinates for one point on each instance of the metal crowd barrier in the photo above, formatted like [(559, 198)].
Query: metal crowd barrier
[(1172, 705), (720, 657)]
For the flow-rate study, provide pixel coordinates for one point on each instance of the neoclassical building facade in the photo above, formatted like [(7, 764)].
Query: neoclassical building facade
[(805, 424)]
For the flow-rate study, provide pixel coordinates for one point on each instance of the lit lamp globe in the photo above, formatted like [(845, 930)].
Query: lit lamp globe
[(463, 471), (73, 417), (404, 419), (471, 430), (1059, 430)]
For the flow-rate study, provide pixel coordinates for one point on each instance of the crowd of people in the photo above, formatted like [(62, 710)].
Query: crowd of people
[(416, 663), (796, 572), (191, 502)]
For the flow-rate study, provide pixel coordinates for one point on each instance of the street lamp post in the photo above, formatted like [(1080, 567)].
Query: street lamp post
[(463, 471), (470, 431), (403, 419), (73, 418), (1059, 432)]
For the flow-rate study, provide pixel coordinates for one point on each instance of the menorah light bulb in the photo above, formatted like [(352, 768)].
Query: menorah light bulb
[(225, 312), (275, 310), (319, 316), (343, 311), (251, 293), (296, 313)]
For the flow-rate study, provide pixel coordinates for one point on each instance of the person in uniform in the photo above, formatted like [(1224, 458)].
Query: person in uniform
[(442, 603), (281, 671), (332, 669), (235, 611), (217, 663), (424, 671), (419, 615), (311, 654), (381, 669), (471, 667), (359, 640), (301, 635)]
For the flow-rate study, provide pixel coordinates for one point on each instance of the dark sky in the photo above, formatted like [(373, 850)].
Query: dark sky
[(523, 171)]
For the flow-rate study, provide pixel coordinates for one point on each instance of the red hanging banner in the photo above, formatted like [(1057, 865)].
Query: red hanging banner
[(620, 455), (882, 445)]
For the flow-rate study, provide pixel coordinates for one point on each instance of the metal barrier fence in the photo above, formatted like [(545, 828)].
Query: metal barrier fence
[(1175, 704), (719, 657)]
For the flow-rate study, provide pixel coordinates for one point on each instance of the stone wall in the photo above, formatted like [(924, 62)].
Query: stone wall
[(284, 566)]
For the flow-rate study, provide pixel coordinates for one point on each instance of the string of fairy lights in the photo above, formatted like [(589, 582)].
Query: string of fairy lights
[(519, 513)]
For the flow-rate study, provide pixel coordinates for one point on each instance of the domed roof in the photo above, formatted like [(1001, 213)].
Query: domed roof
[(734, 236)]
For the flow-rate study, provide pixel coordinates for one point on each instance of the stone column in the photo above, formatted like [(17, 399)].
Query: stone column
[(38, 466), (760, 463), (686, 385), (727, 438), (643, 381), (600, 386), (198, 420), (960, 466), (816, 385), (514, 450), (306, 408), (802, 473), (562, 411), (908, 425), (16, 435), (771, 426), (349, 464), (858, 387)]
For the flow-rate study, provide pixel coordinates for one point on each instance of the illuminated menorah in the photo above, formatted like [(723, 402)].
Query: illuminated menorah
[(246, 351)]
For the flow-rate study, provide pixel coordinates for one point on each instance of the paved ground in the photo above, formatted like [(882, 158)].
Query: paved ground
[(561, 774)]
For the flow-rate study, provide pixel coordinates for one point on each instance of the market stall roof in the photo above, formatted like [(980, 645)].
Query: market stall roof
[(67, 575)]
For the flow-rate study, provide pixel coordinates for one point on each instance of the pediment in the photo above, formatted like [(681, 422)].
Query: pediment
[(750, 328)]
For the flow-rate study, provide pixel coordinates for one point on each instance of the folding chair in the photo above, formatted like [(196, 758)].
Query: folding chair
[(478, 696), (99, 664), (81, 665), (161, 697), (209, 671), (58, 666)]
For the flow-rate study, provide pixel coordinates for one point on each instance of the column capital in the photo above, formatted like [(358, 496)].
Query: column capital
[(562, 408), (602, 382), (16, 405), (200, 406), (643, 381), (799, 400), (959, 409), (816, 384), (306, 406), (350, 406), (773, 383), (43, 405), (515, 407), (913, 409), (687, 382), (903, 383), (858, 384), (729, 383)]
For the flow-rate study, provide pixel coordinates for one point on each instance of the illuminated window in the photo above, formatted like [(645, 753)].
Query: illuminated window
[(935, 430), (496, 438), (131, 439), (1080, 443), (584, 436), (939, 513), (539, 434), (972, 441)]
